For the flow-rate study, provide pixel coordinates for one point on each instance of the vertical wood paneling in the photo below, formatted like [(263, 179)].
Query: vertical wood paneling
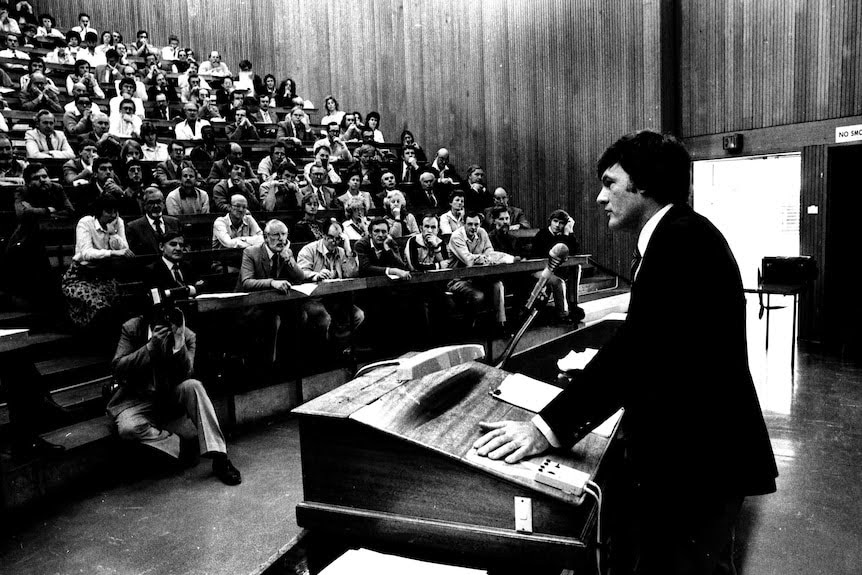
[(812, 234), (760, 63)]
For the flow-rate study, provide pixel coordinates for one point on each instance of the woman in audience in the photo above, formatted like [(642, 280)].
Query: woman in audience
[(356, 224), (83, 75), (408, 141), (107, 43), (454, 218), (90, 286), (309, 228), (401, 222), (73, 44), (373, 121), (333, 114), (269, 87), (285, 96), (354, 183), (182, 61)]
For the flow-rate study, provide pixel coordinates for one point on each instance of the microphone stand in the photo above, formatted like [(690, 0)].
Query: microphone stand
[(541, 300)]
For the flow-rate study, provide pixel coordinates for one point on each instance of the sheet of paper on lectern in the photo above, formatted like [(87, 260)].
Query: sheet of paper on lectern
[(365, 561), (526, 392), (577, 359), (224, 295)]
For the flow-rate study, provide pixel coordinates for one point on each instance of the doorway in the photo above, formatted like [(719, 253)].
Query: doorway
[(842, 310), (754, 202)]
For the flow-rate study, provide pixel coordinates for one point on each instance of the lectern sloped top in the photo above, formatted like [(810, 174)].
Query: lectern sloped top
[(441, 413)]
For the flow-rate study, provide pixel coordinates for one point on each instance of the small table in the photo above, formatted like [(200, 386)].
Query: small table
[(769, 289)]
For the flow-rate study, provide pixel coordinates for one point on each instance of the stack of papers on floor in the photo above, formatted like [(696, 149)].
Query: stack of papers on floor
[(356, 561)]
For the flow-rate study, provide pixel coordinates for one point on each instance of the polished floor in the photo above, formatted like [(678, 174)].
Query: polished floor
[(189, 523)]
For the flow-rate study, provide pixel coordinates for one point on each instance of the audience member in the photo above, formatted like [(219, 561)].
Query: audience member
[(516, 215), (401, 222), (106, 42), (221, 169), (88, 50), (83, 75), (79, 171), (126, 90), (161, 87), (170, 271), (477, 197), (501, 239), (426, 251), (285, 95), (47, 30), (153, 150), (279, 192), (187, 198), (321, 154), (354, 181), (269, 88), (350, 129), (315, 187), (333, 114), (89, 285), (408, 141), (145, 233), (236, 100), (167, 173), (408, 172), (236, 229), (190, 128), (446, 175), (214, 66), (368, 167), (107, 146), (559, 231), (356, 224), (109, 73), (207, 151), (130, 72), (162, 111), (453, 219), (60, 55), (241, 128), (234, 184), (154, 364), (103, 184), (379, 253), (125, 123), (269, 164), (293, 131), (36, 64), (12, 51), (425, 197), (338, 150), (142, 46), (330, 257), (11, 168), (133, 177), (83, 26), (470, 246), (387, 186), (44, 141), (263, 114), (39, 96), (373, 123), (79, 120)]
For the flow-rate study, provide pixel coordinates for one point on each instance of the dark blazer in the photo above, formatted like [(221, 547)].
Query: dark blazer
[(372, 265), (142, 238), (158, 275), (420, 204), (220, 170), (679, 366), (329, 197), (141, 376), (544, 240), (254, 273)]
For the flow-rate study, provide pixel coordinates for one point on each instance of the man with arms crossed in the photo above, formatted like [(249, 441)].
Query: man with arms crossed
[(696, 440)]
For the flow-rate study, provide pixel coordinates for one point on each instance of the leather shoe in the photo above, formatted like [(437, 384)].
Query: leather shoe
[(226, 472)]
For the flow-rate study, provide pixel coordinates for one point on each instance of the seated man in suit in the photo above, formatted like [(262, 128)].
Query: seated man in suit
[(167, 173), (80, 171), (107, 145), (162, 111), (518, 220), (270, 265), (241, 128), (279, 192), (321, 154), (264, 115), (293, 131), (232, 185), (145, 233), (221, 169), (154, 365), (315, 187), (335, 317), (170, 271), (408, 170), (425, 198), (379, 254), (477, 197), (470, 246), (44, 141)]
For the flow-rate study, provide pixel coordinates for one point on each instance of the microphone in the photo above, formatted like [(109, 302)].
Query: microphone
[(558, 254)]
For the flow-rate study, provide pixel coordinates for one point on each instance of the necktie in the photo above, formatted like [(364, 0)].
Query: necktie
[(178, 275), (276, 264), (49, 142), (636, 262), (433, 199), (160, 230)]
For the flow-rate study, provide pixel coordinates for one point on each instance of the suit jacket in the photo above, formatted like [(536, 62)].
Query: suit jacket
[(222, 193), (370, 264), (160, 276), (107, 75), (287, 129), (679, 366), (143, 375), (420, 204), (255, 271), (142, 237), (220, 170), (329, 200)]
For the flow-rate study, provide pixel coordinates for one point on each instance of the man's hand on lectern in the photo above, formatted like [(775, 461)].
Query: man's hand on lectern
[(513, 440)]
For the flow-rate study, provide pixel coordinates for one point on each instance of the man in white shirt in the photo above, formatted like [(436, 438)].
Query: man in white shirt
[(214, 66), (172, 50), (126, 124), (46, 142), (126, 89), (190, 128), (236, 229), (12, 51), (83, 26)]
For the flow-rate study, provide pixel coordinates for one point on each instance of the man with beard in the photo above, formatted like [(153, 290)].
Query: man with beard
[(188, 199), (222, 169), (145, 233), (134, 189)]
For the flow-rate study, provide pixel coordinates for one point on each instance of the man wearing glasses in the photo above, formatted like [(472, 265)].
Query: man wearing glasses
[(44, 141), (147, 232)]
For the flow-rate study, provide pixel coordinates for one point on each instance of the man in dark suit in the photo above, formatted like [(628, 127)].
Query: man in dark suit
[(516, 215), (696, 440), (167, 173), (221, 169), (426, 197), (315, 187), (146, 233), (154, 365), (170, 271)]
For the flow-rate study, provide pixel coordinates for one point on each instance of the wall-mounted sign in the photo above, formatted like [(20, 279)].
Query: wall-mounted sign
[(848, 133)]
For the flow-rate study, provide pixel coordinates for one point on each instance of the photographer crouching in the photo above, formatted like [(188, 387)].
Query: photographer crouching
[(153, 365)]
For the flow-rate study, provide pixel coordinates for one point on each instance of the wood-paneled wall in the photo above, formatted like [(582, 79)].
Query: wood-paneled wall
[(757, 63), (532, 90)]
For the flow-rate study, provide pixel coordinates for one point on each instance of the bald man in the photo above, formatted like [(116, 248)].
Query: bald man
[(214, 66), (516, 215), (446, 175)]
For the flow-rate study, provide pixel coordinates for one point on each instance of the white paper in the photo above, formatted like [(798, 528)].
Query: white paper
[(223, 295), (607, 427), (577, 359), (526, 392), (617, 315), (356, 561), (306, 288)]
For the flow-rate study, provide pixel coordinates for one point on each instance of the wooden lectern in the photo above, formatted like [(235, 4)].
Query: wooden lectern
[(389, 464)]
